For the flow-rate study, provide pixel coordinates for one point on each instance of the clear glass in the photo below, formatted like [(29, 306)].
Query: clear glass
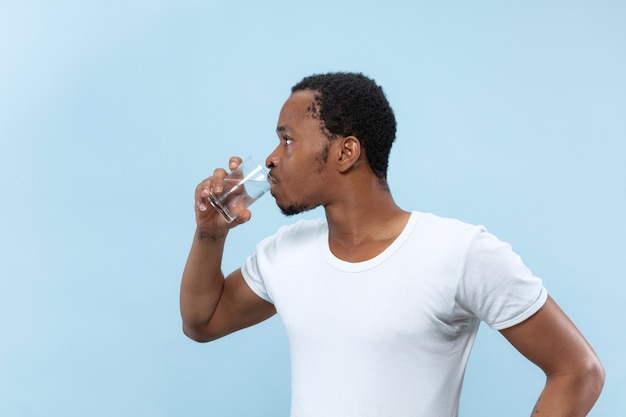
[(242, 187)]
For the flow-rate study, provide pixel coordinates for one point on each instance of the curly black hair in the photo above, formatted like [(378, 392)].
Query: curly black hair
[(351, 104)]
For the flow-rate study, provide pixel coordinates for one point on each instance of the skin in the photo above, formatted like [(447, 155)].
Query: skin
[(309, 170)]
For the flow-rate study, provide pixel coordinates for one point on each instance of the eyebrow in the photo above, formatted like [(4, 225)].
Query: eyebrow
[(282, 129)]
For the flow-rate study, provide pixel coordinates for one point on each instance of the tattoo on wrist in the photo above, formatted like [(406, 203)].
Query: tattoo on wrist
[(213, 237)]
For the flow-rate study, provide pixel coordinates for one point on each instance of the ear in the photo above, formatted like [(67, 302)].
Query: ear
[(350, 153)]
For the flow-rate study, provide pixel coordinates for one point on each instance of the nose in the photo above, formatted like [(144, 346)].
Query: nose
[(272, 160)]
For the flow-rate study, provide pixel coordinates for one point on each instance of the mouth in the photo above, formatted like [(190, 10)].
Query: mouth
[(271, 179)]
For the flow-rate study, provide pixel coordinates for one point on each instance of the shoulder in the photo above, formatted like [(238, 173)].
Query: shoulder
[(301, 231), (473, 242), (446, 229)]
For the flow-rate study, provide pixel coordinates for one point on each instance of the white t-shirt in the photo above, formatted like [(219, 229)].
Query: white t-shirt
[(390, 336)]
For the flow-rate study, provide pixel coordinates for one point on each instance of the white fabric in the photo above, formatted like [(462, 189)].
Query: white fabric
[(389, 337)]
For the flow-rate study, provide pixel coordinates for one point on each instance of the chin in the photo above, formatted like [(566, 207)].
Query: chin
[(293, 209), (290, 211)]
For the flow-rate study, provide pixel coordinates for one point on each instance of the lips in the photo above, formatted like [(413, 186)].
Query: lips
[(272, 180)]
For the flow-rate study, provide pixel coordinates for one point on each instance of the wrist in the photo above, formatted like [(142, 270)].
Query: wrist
[(211, 235)]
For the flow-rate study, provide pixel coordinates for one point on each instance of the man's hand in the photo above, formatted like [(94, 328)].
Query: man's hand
[(209, 221)]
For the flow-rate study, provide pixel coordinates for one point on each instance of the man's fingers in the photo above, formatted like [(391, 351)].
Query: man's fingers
[(234, 162), (217, 180)]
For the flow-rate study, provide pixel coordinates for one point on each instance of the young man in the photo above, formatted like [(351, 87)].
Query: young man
[(380, 305)]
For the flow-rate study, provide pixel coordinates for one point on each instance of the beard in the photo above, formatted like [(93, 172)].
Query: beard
[(293, 209), (296, 208)]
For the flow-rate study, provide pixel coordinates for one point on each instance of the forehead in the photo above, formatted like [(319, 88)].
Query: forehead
[(298, 109)]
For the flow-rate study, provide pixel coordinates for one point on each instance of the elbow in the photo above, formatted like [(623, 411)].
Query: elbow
[(595, 376), (587, 380), (198, 334), (582, 378)]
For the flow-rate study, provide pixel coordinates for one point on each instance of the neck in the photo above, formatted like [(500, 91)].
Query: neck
[(363, 224)]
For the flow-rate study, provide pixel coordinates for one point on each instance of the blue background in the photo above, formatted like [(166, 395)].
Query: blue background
[(510, 114)]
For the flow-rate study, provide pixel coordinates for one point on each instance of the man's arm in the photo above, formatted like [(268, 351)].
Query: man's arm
[(211, 306), (575, 376)]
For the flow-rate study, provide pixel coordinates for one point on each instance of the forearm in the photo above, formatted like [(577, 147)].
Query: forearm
[(203, 282), (570, 396)]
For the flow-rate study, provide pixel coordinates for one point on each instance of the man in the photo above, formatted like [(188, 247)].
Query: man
[(380, 305)]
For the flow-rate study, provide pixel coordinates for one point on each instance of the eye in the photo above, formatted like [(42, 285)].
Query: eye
[(287, 141)]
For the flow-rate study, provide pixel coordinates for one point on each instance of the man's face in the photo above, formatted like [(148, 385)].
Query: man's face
[(298, 164)]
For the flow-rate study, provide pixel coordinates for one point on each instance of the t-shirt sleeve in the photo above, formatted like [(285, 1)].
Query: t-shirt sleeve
[(254, 265), (496, 286)]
